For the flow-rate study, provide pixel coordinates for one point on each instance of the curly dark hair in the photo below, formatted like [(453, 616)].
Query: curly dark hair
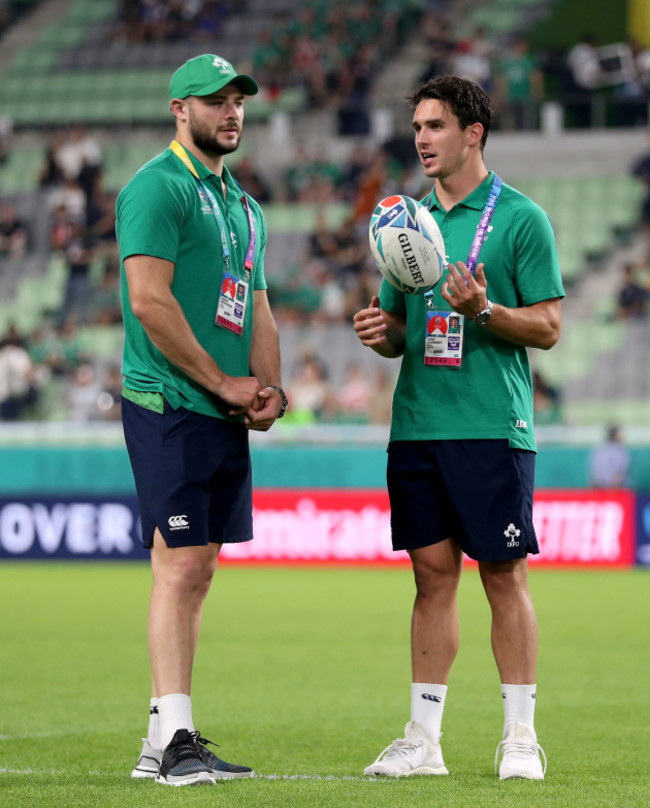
[(466, 100)]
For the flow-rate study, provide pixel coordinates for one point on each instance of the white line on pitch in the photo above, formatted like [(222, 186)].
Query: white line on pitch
[(314, 777)]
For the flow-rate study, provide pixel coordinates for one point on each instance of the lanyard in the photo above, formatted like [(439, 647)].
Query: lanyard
[(481, 230), (182, 155)]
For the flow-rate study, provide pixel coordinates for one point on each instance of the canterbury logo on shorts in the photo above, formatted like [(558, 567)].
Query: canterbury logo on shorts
[(178, 522)]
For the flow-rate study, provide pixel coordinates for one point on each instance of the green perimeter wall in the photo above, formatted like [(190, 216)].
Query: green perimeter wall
[(107, 471)]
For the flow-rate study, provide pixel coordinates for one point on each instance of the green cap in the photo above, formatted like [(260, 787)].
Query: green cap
[(206, 74)]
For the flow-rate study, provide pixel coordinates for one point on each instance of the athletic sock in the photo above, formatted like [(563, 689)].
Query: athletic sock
[(519, 704), (153, 733), (427, 705), (175, 712)]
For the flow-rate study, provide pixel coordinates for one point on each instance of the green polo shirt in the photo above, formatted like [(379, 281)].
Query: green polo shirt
[(162, 213), (490, 395)]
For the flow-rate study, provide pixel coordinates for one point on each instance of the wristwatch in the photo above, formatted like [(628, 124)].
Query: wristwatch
[(283, 396), (483, 317)]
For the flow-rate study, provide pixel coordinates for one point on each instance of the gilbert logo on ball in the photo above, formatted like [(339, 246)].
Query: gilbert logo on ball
[(407, 245)]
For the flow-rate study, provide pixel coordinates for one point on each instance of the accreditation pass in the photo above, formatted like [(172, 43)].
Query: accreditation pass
[(231, 309), (443, 344)]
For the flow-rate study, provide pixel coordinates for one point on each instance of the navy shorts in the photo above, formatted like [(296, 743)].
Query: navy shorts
[(477, 492), (192, 475)]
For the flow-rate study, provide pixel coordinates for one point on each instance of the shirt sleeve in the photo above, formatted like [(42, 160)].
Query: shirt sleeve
[(391, 299), (259, 280), (150, 213), (538, 275)]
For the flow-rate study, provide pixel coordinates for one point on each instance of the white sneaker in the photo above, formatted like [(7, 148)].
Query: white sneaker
[(148, 762), (415, 753), (522, 755)]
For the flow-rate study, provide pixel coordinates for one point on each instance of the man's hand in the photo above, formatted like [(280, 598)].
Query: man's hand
[(240, 392), (370, 324), (465, 293), (264, 411)]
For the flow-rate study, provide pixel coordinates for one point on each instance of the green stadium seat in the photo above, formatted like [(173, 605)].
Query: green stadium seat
[(102, 342)]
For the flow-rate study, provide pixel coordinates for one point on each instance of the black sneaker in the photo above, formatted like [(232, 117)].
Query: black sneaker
[(182, 762), (219, 768)]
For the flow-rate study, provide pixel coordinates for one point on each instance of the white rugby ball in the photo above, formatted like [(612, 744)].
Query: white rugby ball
[(407, 245)]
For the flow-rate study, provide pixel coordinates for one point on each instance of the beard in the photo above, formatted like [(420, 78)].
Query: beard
[(208, 141)]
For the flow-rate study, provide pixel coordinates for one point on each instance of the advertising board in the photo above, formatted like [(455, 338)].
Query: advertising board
[(315, 526)]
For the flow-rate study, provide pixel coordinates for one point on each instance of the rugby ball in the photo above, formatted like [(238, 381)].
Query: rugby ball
[(407, 245)]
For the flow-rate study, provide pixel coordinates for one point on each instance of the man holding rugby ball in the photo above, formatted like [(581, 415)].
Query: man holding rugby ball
[(462, 449)]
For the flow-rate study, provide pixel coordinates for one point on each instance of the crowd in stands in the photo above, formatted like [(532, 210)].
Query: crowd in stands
[(49, 374), (14, 232), (51, 361), (518, 76), (332, 278), (333, 48), (199, 21), (82, 212), (364, 397)]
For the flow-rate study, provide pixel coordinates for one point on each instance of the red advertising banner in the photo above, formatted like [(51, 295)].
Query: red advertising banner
[(352, 526)]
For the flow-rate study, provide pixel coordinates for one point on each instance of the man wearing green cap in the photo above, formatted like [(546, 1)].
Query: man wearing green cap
[(201, 367)]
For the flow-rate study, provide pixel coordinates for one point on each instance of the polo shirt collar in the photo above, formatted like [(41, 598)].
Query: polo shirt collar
[(205, 173), (475, 200)]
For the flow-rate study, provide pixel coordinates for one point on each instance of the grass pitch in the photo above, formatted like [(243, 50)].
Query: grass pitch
[(303, 673)]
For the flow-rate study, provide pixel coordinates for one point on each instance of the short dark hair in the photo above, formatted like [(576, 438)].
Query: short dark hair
[(467, 100)]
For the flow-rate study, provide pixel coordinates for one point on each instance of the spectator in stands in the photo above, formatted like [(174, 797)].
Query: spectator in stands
[(252, 181), (62, 351), (631, 96), (609, 464), (81, 394), (323, 242), (584, 63), (441, 46), (6, 131), (309, 392), (356, 393), (372, 188), (78, 254), (109, 400), (641, 170), (13, 232), (50, 173), (18, 389), (68, 199), (355, 82), (632, 296), (380, 406), (105, 306), (76, 151), (353, 169), (4, 15), (546, 401), (473, 57), (100, 219), (298, 176), (519, 86), (584, 74), (210, 19)]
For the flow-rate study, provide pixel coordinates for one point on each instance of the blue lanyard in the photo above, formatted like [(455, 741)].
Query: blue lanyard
[(180, 152), (481, 230)]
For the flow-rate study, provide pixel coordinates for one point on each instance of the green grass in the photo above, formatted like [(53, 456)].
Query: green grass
[(304, 673)]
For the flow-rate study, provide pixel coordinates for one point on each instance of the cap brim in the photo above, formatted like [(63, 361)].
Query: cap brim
[(246, 84)]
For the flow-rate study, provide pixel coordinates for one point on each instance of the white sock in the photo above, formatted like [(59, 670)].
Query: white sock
[(175, 712), (153, 733), (519, 704), (427, 705)]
